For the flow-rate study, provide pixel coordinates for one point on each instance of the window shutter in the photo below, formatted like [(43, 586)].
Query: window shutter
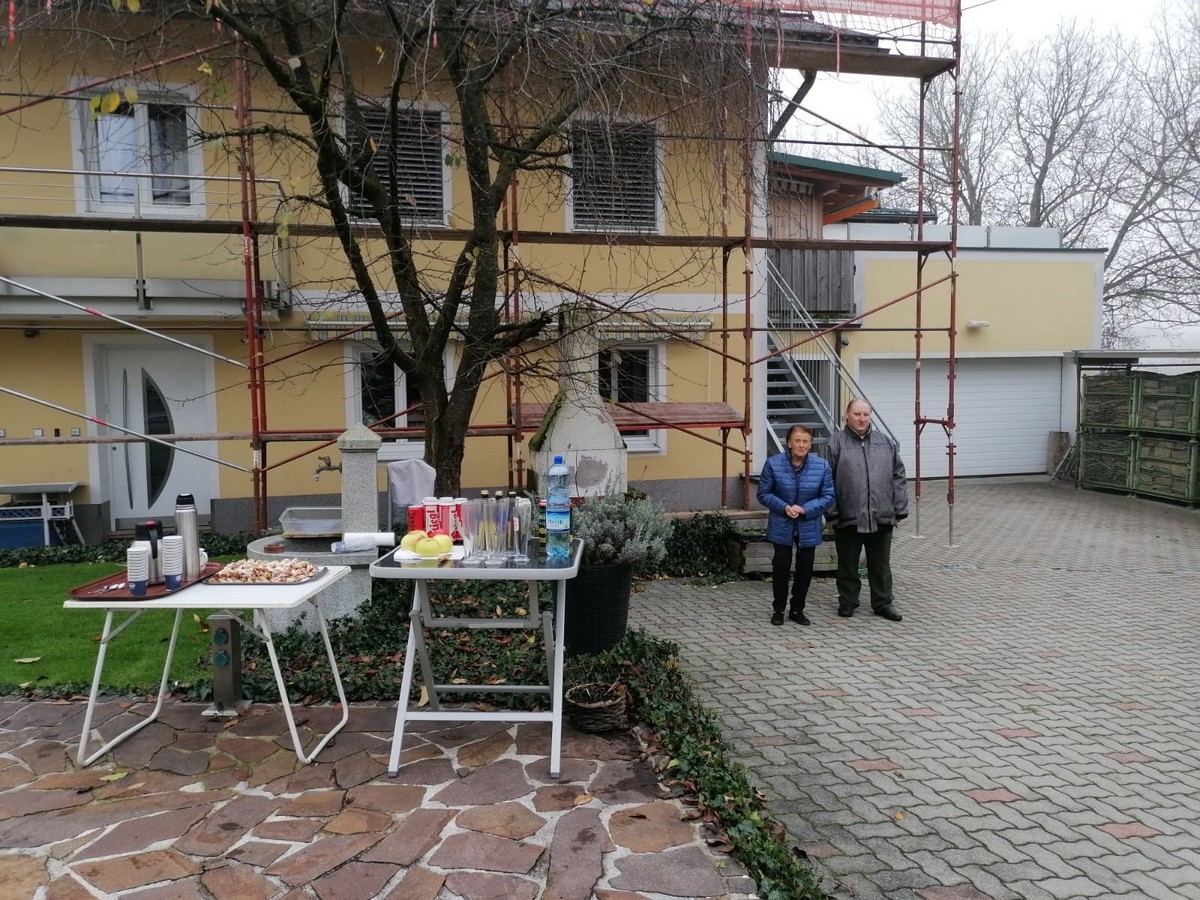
[(418, 164), (615, 178)]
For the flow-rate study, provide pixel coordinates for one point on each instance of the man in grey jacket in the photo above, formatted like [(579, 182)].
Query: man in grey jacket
[(871, 497)]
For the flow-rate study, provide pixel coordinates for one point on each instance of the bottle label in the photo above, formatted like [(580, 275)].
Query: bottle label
[(558, 520)]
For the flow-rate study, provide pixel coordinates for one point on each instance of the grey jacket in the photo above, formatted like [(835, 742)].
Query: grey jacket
[(868, 480)]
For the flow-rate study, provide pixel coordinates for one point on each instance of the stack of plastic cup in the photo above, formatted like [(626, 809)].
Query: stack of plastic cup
[(137, 574), (171, 550)]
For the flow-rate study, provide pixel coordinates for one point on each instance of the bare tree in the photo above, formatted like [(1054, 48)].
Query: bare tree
[(1091, 134), (528, 86)]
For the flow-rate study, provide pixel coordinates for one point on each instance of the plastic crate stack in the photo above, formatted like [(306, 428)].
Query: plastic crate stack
[(1140, 433)]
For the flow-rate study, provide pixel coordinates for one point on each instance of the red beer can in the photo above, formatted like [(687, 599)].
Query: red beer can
[(416, 517), (432, 522), (456, 519), (445, 507)]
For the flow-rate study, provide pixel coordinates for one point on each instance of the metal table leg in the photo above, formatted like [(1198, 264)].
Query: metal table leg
[(263, 629), (107, 635), (414, 625)]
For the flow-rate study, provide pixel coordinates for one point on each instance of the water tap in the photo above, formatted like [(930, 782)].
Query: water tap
[(326, 465)]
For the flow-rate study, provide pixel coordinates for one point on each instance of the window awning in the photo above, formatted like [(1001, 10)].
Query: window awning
[(656, 326), (325, 325)]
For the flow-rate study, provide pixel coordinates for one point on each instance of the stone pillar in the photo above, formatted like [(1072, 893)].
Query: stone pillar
[(583, 432), (360, 493)]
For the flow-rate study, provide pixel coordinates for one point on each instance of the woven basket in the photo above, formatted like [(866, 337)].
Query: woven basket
[(596, 706)]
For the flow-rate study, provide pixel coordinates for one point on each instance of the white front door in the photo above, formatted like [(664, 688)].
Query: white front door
[(156, 389)]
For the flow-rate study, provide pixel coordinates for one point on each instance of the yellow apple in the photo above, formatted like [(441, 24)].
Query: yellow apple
[(409, 541), (445, 542), (427, 546)]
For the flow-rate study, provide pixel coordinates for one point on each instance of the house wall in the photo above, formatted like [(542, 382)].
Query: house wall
[(196, 288), (1036, 302)]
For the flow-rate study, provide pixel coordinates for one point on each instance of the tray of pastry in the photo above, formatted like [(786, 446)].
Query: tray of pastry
[(266, 572)]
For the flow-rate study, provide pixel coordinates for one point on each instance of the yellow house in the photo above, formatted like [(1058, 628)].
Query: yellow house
[(172, 320)]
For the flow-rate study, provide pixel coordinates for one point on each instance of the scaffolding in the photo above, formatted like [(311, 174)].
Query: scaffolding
[(929, 48)]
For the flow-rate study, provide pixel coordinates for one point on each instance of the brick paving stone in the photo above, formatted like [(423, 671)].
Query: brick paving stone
[(417, 884), (389, 798), (21, 876), (358, 821), (223, 827), (576, 855), (239, 881), (137, 834), (416, 835), (314, 803), (495, 783), (486, 886), (312, 861), (356, 881), (479, 850), (126, 872), (649, 827), (510, 820), (681, 872)]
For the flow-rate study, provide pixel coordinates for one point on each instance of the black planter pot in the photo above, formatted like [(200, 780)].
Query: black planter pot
[(597, 608)]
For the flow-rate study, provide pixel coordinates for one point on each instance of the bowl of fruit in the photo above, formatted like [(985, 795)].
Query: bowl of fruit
[(428, 545)]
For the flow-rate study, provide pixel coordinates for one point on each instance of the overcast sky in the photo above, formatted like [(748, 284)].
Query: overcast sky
[(850, 100)]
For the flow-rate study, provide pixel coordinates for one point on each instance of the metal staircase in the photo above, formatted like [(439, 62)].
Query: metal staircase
[(804, 385)]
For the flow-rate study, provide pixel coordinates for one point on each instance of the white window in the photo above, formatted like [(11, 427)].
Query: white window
[(140, 157), (415, 162), (614, 177), (379, 393), (633, 373)]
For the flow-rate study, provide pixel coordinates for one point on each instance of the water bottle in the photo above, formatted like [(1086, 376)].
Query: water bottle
[(558, 510), (187, 528)]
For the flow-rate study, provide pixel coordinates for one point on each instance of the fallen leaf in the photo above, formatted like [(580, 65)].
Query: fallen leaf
[(116, 776), (423, 700), (26, 660), (900, 816), (582, 799)]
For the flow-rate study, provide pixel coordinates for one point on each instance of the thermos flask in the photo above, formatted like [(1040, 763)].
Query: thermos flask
[(187, 528), (148, 534)]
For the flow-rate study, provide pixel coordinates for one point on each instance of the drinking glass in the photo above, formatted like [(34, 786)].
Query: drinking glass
[(472, 523), (498, 532), (522, 521)]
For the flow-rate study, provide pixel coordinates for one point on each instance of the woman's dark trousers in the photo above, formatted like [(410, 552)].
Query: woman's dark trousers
[(781, 566)]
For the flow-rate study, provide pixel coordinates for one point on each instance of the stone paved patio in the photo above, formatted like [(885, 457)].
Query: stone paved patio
[(1031, 730), (194, 808)]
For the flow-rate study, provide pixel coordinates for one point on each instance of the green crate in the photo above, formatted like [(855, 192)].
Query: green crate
[(1108, 401), (1167, 467), (1105, 458), (1168, 403)]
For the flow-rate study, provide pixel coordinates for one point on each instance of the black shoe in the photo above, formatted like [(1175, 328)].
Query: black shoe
[(889, 612), (799, 618), (845, 610), (777, 618)]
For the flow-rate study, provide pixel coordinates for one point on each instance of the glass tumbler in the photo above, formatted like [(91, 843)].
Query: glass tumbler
[(472, 524), (521, 525)]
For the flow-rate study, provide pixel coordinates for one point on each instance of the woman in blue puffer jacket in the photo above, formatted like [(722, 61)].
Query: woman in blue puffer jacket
[(797, 487)]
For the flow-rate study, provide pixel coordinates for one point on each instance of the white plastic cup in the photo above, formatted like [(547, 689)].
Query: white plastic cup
[(137, 570)]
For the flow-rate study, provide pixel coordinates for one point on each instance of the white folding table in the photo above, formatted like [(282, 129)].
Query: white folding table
[(228, 598), (421, 572)]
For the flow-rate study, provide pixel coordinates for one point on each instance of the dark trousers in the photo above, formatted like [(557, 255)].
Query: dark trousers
[(878, 545), (781, 565)]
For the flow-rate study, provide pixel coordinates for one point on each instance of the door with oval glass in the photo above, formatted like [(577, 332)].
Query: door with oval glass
[(156, 390)]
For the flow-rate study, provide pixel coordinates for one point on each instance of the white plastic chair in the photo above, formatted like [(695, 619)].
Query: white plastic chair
[(409, 482)]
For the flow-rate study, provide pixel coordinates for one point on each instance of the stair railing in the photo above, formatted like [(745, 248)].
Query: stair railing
[(786, 312)]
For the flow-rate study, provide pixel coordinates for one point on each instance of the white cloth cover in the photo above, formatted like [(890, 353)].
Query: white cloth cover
[(409, 482)]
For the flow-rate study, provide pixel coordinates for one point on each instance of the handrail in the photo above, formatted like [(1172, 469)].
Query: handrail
[(801, 320)]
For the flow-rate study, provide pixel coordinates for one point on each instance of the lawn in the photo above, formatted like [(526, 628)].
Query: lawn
[(62, 643)]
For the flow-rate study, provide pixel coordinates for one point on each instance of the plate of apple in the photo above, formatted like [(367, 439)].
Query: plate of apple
[(435, 544)]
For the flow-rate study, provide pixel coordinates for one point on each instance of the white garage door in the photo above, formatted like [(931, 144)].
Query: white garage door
[(1004, 412)]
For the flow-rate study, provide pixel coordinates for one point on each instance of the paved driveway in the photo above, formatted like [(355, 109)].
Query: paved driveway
[(1032, 728)]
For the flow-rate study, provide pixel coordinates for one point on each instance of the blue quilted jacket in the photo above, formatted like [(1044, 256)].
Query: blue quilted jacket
[(780, 486)]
